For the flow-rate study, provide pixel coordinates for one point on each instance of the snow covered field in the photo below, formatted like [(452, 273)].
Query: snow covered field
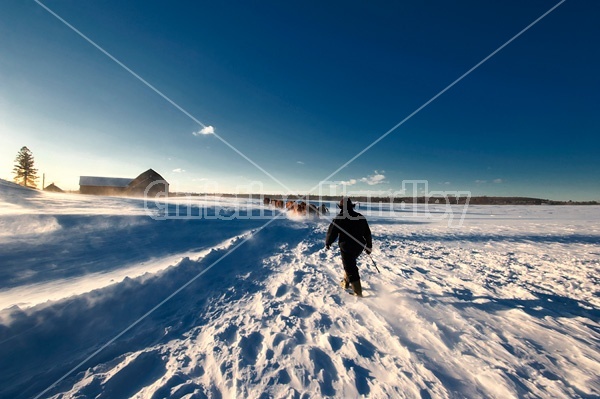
[(506, 306)]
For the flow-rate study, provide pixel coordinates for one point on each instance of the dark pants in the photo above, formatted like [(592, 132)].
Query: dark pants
[(349, 262)]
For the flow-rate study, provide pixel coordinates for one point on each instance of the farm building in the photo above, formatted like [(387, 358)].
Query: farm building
[(148, 183), (53, 188)]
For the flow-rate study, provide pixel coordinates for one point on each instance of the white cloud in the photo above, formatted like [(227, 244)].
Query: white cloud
[(300, 162), (350, 182), (447, 183), (480, 181), (178, 170), (205, 130), (498, 181), (377, 193), (372, 180)]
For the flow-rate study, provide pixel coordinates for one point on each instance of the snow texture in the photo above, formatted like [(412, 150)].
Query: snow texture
[(505, 307)]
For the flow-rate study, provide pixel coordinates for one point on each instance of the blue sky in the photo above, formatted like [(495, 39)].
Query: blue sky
[(301, 87)]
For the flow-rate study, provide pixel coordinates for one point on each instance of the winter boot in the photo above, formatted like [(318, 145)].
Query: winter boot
[(344, 283), (357, 288)]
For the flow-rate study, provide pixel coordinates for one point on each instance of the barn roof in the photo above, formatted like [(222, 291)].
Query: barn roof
[(54, 188), (104, 181), (145, 178)]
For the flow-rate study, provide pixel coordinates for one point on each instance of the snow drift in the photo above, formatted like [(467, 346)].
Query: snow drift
[(507, 306)]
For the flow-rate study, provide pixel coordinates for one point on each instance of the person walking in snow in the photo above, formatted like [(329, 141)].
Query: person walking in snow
[(355, 236)]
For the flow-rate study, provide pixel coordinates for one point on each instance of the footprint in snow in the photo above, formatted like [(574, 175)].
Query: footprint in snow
[(365, 348), (323, 365), (298, 276), (362, 376), (281, 290), (250, 348), (302, 310), (228, 334), (323, 323), (335, 342)]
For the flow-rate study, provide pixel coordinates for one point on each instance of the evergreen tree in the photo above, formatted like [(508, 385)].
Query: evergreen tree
[(25, 173)]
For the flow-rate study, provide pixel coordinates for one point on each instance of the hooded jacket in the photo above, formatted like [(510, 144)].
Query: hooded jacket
[(352, 229)]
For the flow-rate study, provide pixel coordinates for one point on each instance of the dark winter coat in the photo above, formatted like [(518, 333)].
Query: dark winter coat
[(350, 223)]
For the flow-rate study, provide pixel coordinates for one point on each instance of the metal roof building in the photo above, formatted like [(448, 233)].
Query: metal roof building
[(148, 183)]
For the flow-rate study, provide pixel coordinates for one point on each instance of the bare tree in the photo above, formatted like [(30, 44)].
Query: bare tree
[(25, 173)]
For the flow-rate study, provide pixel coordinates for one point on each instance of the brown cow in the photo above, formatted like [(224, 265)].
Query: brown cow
[(301, 208)]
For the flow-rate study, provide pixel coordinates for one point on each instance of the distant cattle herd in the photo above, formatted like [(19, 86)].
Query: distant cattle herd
[(298, 208)]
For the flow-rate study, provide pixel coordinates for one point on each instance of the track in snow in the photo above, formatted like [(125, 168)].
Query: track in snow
[(505, 307), (430, 326)]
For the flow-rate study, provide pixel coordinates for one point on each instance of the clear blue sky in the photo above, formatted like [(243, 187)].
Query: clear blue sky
[(301, 87)]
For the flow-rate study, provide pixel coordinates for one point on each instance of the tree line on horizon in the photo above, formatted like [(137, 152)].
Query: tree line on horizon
[(26, 175), (430, 200)]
